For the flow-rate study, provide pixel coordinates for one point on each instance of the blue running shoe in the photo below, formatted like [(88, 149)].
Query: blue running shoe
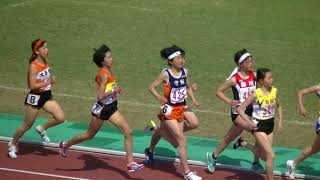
[(257, 167), (148, 157)]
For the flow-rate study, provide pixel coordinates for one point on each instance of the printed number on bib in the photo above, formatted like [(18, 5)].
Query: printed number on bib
[(166, 109), (33, 99), (178, 95), (96, 108), (268, 111)]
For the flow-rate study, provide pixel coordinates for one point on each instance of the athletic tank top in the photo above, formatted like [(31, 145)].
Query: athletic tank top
[(264, 106), (175, 90), (244, 87), (111, 84), (42, 75)]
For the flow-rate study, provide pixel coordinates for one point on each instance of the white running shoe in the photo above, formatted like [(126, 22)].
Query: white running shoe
[(192, 176), (212, 163), (12, 151), (62, 149), (291, 167), (43, 134)]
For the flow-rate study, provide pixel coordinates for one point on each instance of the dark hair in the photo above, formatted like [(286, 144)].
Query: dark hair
[(261, 73), (33, 44), (166, 52), (99, 54), (238, 55)]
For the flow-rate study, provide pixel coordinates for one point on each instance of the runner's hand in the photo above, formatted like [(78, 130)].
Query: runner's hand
[(117, 89), (252, 126), (196, 103), (303, 111), (234, 103), (164, 100)]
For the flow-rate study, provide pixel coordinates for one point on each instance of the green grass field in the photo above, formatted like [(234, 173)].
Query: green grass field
[(282, 35)]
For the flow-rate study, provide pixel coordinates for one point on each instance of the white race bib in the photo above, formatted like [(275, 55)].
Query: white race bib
[(166, 109), (96, 108), (178, 95), (33, 99)]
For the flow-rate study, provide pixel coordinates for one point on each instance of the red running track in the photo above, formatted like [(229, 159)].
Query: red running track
[(38, 163)]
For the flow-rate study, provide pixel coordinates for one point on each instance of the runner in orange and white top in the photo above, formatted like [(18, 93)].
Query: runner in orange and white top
[(105, 108), (173, 110), (39, 96)]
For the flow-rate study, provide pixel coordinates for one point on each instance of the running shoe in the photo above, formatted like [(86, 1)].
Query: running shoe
[(148, 157), (212, 163), (43, 134), (192, 176), (133, 166), (291, 167)]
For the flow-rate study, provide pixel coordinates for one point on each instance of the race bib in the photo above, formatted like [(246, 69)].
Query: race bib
[(33, 99), (166, 110), (178, 95), (96, 108), (267, 112)]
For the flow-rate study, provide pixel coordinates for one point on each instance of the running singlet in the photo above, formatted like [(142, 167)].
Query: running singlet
[(42, 75), (264, 106), (111, 84), (176, 89), (243, 88)]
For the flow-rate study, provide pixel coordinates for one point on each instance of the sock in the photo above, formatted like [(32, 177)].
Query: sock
[(214, 157)]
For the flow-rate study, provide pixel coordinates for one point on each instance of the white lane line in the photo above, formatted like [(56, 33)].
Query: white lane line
[(90, 3), (143, 104), (122, 101), (17, 4), (42, 174)]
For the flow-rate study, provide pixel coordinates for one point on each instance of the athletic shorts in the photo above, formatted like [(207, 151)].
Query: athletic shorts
[(234, 114), (103, 111), (168, 112), (266, 126), (38, 99)]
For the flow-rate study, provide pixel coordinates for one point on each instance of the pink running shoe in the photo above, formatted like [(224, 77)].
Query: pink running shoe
[(133, 166)]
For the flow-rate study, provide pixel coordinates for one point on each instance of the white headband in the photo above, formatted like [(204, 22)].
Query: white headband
[(174, 55), (243, 57)]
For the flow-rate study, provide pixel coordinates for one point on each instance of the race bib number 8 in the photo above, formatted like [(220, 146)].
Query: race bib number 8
[(33, 99), (96, 108), (166, 109)]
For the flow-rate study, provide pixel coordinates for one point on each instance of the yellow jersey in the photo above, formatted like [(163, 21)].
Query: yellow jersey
[(264, 106)]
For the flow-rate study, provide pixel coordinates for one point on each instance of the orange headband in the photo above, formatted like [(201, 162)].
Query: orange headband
[(37, 45)]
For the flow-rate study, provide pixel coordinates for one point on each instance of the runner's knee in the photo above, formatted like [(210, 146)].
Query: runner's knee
[(59, 117), (194, 124)]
